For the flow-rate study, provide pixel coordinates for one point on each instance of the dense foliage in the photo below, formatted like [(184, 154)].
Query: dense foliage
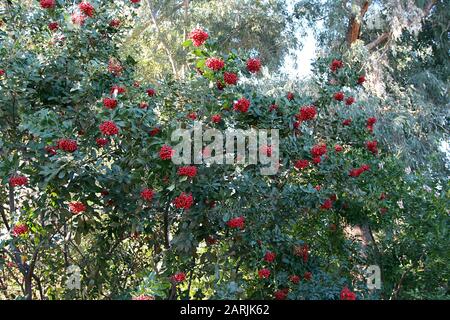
[(87, 178)]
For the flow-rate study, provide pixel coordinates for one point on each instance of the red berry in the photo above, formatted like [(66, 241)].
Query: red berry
[(101, 142), (183, 201), (294, 279), (336, 64), (178, 277), (347, 294), (269, 256), (361, 79), (290, 96), (188, 171), (264, 273), (349, 101), (20, 229)]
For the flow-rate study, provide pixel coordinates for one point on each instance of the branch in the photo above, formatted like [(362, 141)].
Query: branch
[(12, 207), (428, 7), (386, 35), (382, 38), (166, 227), (39, 284), (397, 288), (5, 220)]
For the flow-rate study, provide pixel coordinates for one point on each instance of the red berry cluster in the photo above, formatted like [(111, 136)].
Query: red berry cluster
[(236, 223), (67, 145), (356, 172), (47, 4), (336, 64), (109, 128), (183, 201), (306, 113), (147, 194), (87, 9), (17, 181), (178, 277), (109, 103), (215, 64), (198, 36), (20, 229), (166, 152), (253, 65), (77, 207), (242, 105), (347, 294), (188, 171)]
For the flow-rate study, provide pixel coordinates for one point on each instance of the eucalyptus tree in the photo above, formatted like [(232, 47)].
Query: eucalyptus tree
[(404, 47), (264, 27)]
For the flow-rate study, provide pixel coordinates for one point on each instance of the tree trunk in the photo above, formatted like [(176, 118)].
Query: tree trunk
[(354, 25), (185, 33), (360, 231), (163, 42), (28, 287)]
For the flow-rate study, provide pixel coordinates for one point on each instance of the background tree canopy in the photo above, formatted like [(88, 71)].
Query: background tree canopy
[(265, 27), (91, 91), (403, 46)]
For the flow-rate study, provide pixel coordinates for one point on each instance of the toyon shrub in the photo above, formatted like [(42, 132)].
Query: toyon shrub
[(144, 217)]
